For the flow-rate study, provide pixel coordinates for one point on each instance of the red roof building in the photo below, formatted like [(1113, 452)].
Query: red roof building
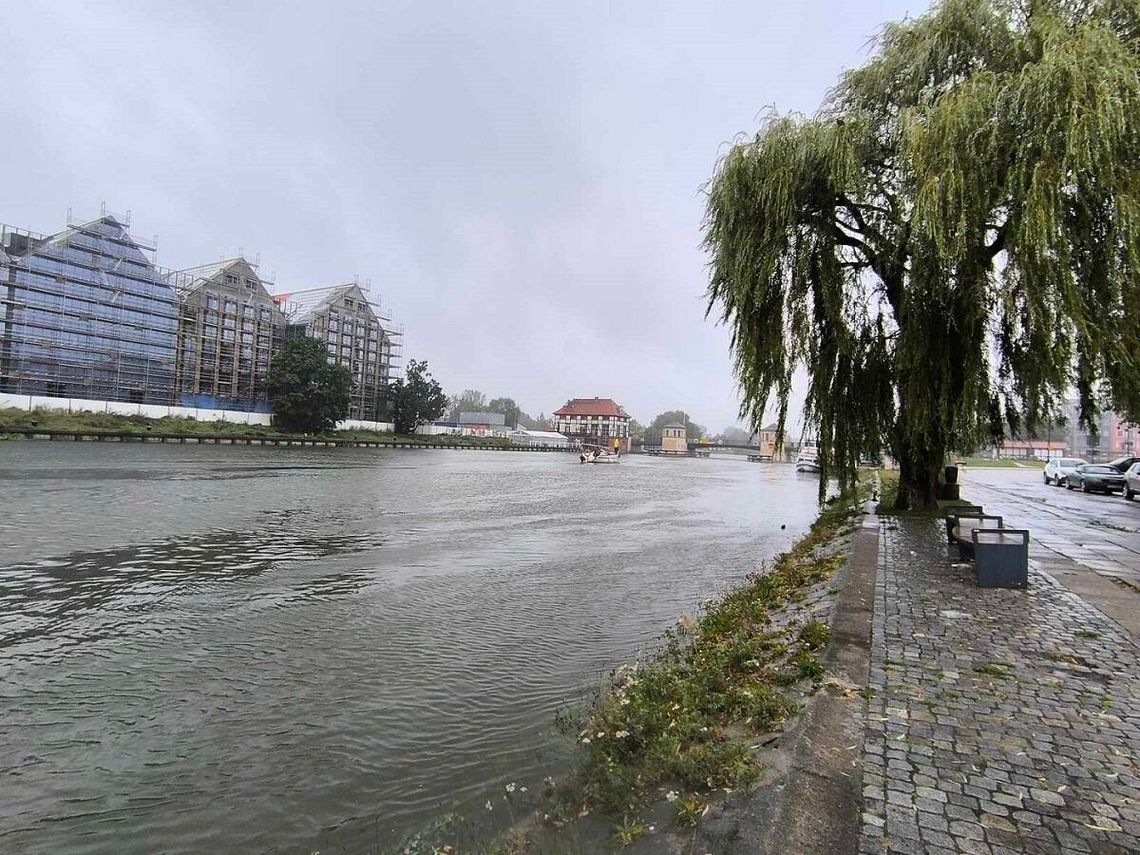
[(599, 421)]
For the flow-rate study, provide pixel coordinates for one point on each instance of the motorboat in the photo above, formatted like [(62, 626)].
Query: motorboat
[(597, 454), (808, 459)]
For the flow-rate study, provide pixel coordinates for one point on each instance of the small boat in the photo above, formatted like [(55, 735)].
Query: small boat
[(597, 454), (808, 460)]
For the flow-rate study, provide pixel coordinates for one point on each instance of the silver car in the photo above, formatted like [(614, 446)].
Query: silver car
[(1132, 481), (1058, 469)]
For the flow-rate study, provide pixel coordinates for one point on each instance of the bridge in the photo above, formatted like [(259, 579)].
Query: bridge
[(711, 446)]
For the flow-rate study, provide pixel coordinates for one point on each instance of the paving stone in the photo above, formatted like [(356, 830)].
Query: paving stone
[(998, 822), (976, 764)]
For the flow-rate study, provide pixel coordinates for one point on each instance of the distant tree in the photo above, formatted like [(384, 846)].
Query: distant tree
[(507, 408), (543, 423), (636, 430), (307, 393), (949, 244), (693, 431), (471, 401), (417, 398), (735, 436)]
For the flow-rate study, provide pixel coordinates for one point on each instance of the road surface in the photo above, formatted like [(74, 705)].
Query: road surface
[(1072, 532)]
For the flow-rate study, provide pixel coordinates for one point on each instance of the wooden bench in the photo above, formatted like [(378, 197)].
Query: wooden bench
[(957, 511), (1001, 557), (964, 525)]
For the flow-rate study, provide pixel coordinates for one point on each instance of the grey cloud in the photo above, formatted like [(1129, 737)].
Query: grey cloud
[(519, 181)]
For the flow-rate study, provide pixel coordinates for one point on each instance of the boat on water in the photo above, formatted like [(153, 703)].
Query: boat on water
[(598, 454), (808, 460)]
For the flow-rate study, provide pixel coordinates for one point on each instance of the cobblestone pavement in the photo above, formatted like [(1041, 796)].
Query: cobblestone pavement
[(1101, 533), (1000, 721)]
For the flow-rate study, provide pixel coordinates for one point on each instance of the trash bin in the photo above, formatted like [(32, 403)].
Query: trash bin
[(1001, 557)]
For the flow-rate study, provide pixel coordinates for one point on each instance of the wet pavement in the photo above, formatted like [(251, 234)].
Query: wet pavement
[(1098, 532), (999, 721)]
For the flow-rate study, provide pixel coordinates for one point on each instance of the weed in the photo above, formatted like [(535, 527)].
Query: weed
[(807, 666), (630, 829), (992, 669), (815, 634), (1084, 633), (690, 810)]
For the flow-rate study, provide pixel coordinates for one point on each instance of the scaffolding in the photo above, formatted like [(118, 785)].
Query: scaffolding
[(357, 333), (85, 313), (88, 314), (228, 333)]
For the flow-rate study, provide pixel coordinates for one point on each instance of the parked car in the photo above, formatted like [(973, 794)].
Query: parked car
[(1132, 481), (1059, 468), (1095, 476), (1123, 464)]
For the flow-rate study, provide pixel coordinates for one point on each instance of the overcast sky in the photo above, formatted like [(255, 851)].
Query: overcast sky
[(520, 182)]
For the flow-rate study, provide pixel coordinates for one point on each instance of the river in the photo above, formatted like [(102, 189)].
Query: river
[(212, 649)]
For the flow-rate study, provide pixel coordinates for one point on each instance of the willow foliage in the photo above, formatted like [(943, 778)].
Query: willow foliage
[(950, 244)]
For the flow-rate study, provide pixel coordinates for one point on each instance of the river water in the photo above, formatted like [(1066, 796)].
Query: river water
[(210, 649)]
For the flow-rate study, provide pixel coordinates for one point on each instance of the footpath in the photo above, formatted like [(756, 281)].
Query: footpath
[(998, 721)]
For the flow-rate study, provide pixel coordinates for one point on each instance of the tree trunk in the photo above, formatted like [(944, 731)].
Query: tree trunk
[(920, 468), (918, 482)]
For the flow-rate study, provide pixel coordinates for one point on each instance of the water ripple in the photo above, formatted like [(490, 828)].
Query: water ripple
[(323, 649)]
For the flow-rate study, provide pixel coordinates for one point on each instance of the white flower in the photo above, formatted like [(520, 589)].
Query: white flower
[(601, 734), (585, 740), (622, 734), (511, 787), (625, 702), (671, 796), (522, 789), (490, 806)]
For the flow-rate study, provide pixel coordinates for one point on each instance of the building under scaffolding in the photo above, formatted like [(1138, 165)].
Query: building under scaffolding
[(85, 313), (356, 334), (229, 330)]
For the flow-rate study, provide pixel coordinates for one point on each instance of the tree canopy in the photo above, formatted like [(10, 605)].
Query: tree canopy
[(417, 398), (950, 244), (693, 431), (471, 401), (306, 391)]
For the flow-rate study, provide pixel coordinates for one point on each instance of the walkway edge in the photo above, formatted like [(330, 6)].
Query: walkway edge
[(820, 808)]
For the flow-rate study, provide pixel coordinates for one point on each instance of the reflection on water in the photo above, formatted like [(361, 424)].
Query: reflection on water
[(282, 649)]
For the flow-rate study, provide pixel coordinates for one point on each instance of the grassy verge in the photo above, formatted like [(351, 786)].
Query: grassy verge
[(989, 463), (18, 419), (687, 717)]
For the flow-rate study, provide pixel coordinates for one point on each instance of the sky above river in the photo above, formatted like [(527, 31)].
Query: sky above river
[(520, 183)]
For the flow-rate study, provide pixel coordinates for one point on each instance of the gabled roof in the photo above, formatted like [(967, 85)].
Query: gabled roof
[(106, 226), (592, 407), (769, 428), (192, 278), (300, 306), (674, 425)]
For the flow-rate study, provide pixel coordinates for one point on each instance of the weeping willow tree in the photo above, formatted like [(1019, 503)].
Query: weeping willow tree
[(950, 244)]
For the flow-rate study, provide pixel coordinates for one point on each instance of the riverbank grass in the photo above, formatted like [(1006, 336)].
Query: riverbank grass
[(14, 419), (687, 718)]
